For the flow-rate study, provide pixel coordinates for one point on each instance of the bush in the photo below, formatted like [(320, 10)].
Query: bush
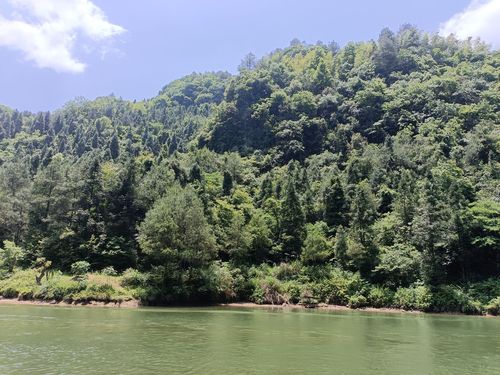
[(286, 271), (59, 288), (95, 292), (357, 301), (223, 282), (101, 292), (399, 265), (493, 307), (80, 268), (293, 290), (22, 284), (413, 298), (485, 291), (380, 297), (10, 255), (268, 290), (133, 278), (109, 271), (340, 286), (449, 298), (317, 247)]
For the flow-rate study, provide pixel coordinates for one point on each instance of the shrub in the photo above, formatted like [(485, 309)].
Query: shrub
[(357, 301), (286, 271), (133, 278), (268, 290), (59, 288), (223, 282), (80, 268), (380, 297), (10, 255), (493, 307), (293, 290), (307, 298), (413, 298), (97, 292), (275, 285), (340, 286), (109, 271), (449, 298), (399, 265), (22, 284), (485, 291), (317, 247)]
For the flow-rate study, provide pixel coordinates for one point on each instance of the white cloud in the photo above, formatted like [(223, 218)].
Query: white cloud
[(46, 31), (479, 19)]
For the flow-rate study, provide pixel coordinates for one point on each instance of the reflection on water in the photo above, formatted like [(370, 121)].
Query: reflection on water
[(58, 340)]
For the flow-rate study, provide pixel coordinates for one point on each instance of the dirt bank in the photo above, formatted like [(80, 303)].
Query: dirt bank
[(125, 304)]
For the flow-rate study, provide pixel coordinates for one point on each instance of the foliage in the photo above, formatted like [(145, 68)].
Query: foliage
[(413, 298), (21, 284), (493, 307), (317, 247), (80, 268), (109, 271), (133, 278), (10, 255), (357, 301), (380, 297), (340, 286), (452, 298), (60, 287), (399, 265), (351, 174)]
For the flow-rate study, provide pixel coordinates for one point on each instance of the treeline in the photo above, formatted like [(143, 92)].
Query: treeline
[(322, 172)]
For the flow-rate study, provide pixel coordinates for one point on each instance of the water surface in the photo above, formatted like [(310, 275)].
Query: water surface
[(70, 340)]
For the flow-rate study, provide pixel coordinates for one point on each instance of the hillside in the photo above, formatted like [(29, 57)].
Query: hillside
[(362, 175)]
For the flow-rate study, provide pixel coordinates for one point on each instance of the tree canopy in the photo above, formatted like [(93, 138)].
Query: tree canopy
[(381, 157)]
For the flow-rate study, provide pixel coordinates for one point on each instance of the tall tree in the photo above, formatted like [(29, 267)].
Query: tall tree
[(292, 222), (334, 203)]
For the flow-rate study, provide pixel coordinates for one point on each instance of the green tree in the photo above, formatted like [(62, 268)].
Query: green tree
[(10, 255), (114, 147), (341, 246), (317, 247), (261, 228), (291, 222), (362, 248), (176, 238), (227, 183), (434, 234), (15, 186), (386, 56), (334, 203)]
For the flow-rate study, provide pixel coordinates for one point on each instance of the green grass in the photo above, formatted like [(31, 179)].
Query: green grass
[(59, 287)]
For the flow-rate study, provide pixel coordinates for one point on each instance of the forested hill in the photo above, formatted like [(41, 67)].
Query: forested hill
[(377, 162)]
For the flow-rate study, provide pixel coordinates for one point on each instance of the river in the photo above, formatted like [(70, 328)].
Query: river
[(80, 340)]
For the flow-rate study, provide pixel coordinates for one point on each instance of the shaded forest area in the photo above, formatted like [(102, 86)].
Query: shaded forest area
[(362, 175)]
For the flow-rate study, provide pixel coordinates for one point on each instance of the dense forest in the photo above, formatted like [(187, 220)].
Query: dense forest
[(366, 175)]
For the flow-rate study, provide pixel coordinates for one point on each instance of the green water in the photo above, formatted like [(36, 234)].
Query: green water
[(59, 340)]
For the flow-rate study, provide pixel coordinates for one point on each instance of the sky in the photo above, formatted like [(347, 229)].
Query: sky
[(53, 51)]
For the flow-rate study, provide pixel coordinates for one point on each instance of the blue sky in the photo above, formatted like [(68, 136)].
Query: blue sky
[(52, 51)]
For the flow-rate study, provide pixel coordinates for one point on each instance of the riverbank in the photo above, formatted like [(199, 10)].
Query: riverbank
[(123, 304), (342, 291), (251, 305), (133, 304)]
